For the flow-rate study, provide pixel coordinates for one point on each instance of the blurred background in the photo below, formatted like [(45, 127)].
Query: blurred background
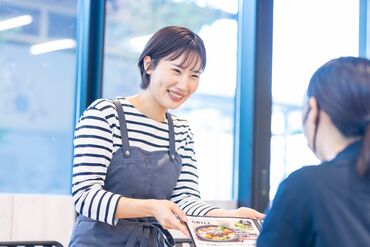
[(56, 56)]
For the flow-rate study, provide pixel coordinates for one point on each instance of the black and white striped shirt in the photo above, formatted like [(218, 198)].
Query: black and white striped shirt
[(97, 138)]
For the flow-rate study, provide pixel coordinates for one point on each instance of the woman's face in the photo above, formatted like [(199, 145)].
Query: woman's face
[(171, 84)]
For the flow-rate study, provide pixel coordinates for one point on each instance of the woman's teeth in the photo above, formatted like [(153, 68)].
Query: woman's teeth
[(176, 95)]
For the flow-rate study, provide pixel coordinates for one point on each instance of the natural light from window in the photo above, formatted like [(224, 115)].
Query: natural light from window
[(306, 35)]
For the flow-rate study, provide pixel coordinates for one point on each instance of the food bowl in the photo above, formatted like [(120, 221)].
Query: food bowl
[(215, 233)]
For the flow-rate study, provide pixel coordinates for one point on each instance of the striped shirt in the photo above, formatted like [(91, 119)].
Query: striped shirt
[(98, 137)]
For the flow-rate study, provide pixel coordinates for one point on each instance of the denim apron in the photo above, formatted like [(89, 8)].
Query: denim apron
[(134, 173)]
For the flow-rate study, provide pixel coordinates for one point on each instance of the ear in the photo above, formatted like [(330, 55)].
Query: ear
[(313, 115), (147, 64)]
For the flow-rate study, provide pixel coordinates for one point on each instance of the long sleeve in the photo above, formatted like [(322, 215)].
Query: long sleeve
[(186, 193), (93, 148)]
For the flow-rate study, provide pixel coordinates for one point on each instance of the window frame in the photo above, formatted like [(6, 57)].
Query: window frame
[(253, 104)]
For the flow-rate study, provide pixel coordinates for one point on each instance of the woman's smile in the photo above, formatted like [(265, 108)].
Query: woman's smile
[(175, 96)]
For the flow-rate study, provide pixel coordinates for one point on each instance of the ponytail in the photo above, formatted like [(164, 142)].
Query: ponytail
[(363, 161)]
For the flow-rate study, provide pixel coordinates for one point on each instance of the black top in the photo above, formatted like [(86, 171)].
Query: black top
[(325, 205)]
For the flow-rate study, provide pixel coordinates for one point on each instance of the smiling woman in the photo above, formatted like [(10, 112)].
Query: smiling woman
[(170, 66), (134, 165), (210, 110)]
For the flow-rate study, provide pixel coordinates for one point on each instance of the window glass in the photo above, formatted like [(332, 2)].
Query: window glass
[(37, 95), (210, 111), (306, 35)]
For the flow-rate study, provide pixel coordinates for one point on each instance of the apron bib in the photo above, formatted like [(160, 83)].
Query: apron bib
[(134, 173)]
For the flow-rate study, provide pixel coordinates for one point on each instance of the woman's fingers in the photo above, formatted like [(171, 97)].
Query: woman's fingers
[(170, 216), (178, 212), (179, 219), (259, 215), (173, 222), (179, 225), (249, 213)]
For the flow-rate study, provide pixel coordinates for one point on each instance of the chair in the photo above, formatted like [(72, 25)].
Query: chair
[(30, 243)]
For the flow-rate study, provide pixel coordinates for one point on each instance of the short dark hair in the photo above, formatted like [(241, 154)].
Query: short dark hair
[(172, 42), (342, 89)]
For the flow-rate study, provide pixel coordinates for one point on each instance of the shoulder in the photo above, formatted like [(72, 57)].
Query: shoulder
[(102, 109), (298, 181), (108, 108), (101, 105), (304, 172), (182, 129), (302, 175), (180, 123), (309, 178), (320, 172)]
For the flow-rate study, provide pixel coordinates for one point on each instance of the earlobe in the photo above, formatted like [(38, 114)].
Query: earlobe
[(147, 62)]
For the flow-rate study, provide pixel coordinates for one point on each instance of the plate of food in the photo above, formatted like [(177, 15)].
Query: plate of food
[(215, 233)]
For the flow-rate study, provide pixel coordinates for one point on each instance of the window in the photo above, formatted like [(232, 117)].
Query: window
[(37, 96), (306, 35), (210, 111)]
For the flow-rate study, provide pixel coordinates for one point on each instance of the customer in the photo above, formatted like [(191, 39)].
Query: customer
[(135, 171), (329, 204)]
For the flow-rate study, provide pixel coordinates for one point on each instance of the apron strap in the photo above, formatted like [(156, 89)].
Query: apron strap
[(171, 137), (168, 239), (142, 231), (123, 127)]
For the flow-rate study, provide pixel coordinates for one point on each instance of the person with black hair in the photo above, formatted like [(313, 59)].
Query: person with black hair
[(329, 204), (135, 172)]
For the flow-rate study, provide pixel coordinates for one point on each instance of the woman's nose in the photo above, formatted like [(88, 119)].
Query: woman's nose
[(182, 83)]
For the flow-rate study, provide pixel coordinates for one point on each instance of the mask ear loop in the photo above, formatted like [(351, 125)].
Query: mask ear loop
[(304, 120), (316, 128)]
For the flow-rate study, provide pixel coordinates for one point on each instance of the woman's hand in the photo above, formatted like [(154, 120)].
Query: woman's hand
[(248, 213), (169, 215)]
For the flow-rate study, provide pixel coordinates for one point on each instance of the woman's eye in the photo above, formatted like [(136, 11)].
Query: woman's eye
[(176, 71), (195, 76)]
